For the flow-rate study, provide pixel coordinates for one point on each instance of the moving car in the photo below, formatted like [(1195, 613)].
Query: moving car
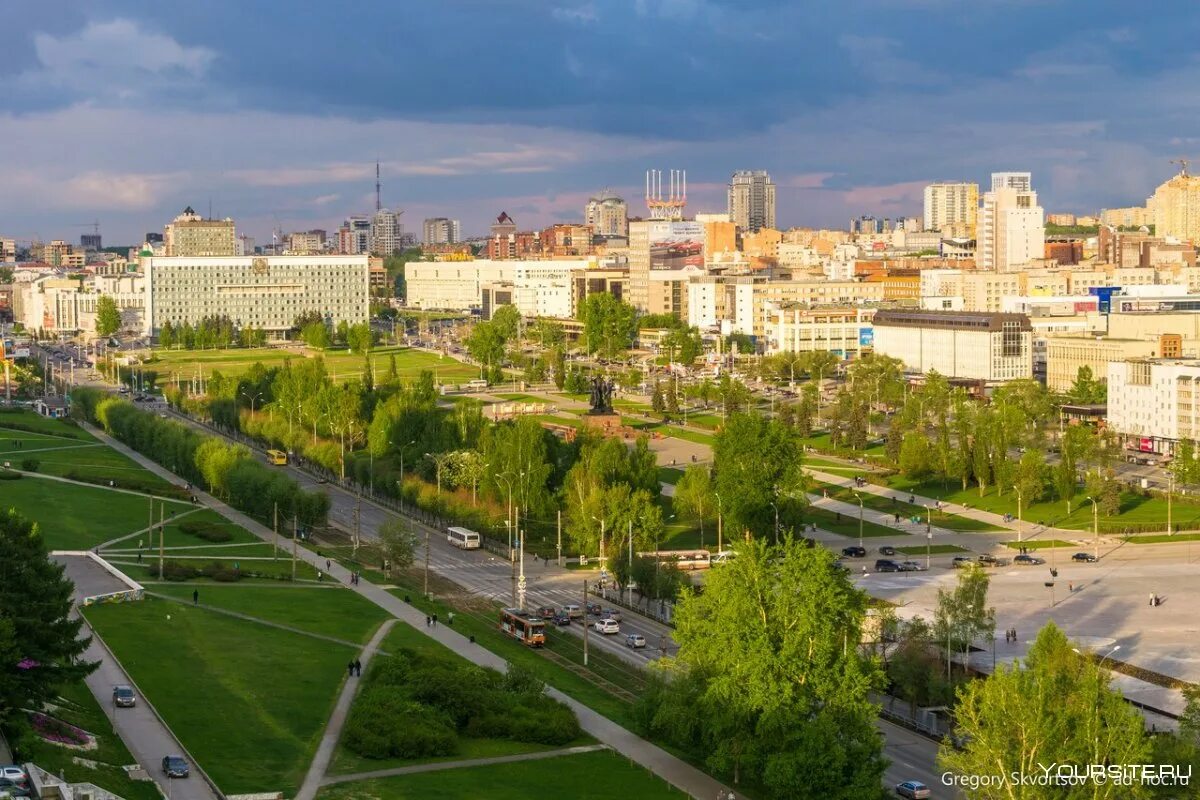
[(635, 640), (594, 609), (1088, 557), (1025, 560), (913, 790), (961, 561), (560, 619), (546, 612), (606, 626), (124, 697), (989, 560), (175, 767), (912, 566), (886, 565), (887, 550), (611, 613), (573, 611), (854, 551)]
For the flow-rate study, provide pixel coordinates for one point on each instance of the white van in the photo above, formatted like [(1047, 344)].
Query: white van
[(475, 385)]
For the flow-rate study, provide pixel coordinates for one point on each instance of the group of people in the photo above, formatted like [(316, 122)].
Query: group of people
[(1010, 635), (354, 579), (354, 669)]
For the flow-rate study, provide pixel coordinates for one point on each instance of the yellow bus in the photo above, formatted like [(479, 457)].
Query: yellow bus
[(277, 457)]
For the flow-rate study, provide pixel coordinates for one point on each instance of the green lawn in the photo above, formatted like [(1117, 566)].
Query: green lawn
[(934, 550), (892, 504), (247, 700), (74, 517), (1164, 537), (522, 398), (1138, 513), (669, 475), (1038, 544), (336, 612), (97, 464), (174, 536), (647, 426), (820, 441), (17, 422), (601, 775), (847, 525), (77, 706), (185, 364), (255, 571)]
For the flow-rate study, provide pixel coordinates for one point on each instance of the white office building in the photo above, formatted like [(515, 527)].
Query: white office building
[(440, 230), (948, 204), (267, 292), (539, 288), (989, 347), (1154, 404), (1011, 225)]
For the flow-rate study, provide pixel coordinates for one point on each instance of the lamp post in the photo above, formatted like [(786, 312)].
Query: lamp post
[(1170, 491), (1095, 525), (928, 548), (1019, 537), (858, 497), (252, 398)]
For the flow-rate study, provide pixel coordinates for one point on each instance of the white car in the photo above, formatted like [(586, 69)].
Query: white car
[(606, 626), (635, 640)]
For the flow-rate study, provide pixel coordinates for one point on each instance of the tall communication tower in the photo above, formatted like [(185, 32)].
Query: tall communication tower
[(378, 188), (671, 206)]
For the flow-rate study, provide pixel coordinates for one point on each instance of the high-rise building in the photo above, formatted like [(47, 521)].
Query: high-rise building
[(607, 214), (1176, 207), (504, 225), (440, 230), (1011, 225), (950, 204), (189, 234), (1021, 181), (387, 234), (752, 200), (354, 237), (90, 242), (8, 249), (302, 242)]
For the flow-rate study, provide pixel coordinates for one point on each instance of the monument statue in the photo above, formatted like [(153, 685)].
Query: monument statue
[(602, 389)]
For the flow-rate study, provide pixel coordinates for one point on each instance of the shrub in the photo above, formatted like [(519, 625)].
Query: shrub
[(30, 464), (9, 475), (208, 531), (385, 724), (219, 571), (175, 571)]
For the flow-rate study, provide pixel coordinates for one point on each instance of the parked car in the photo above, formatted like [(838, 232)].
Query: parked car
[(175, 767), (1026, 560), (14, 772), (989, 560), (561, 620), (635, 640), (854, 551), (1088, 557), (547, 612), (573, 611), (887, 550), (124, 697), (913, 790), (961, 561), (611, 613), (912, 566), (13, 788), (886, 565), (606, 626)]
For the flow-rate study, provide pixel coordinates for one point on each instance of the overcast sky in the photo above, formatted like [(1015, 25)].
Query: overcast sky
[(127, 110)]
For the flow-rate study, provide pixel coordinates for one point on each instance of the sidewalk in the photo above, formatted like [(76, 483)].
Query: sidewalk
[(333, 730), (674, 770)]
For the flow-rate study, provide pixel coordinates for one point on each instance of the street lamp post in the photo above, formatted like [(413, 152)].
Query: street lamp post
[(252, 398), (1095, 525), (928, 548), (858, 497), (1019, 537)]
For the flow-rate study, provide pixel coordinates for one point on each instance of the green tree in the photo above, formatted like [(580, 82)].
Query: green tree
[(316, 335), (609, 324), (166, 335), (108, 316), (1030, 483), (657, 403), (41, 645), (758, 468), (360, 338), (768, 683), (1185, 466), (1085, 389), (486, 344), (915, 457), (694, 498), (1057, 708), (962, 615), (734, 396), (397, 544)]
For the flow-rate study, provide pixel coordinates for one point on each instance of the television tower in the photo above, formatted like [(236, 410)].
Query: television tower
[(378, 188), (671, 206)]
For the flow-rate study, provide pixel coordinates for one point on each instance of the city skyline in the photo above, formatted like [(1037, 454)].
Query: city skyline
[(191, 113)]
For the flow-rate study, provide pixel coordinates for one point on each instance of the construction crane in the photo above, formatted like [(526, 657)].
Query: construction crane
[(1183, 164), (95, 226)]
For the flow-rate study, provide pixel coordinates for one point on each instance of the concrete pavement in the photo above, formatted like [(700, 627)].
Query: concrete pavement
[(674, 770)]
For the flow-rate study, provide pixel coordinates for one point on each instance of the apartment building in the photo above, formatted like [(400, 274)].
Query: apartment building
[(608, 215), (952, 205), (796, 328), (1176, 208), (1153, 404), (1065, 355), (1011, 224), (189, 234), (752, 200), (441, 230), (539, 288), (990, 347)]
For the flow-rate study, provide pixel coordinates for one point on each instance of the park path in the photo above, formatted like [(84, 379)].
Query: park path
[(117, 489), (672, 769), (437, 766), (337, 720)]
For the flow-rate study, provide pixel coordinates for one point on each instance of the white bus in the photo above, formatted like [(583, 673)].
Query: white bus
[(475, 385), (463, 538)]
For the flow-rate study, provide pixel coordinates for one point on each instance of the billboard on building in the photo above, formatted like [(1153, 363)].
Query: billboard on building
[(866, 337), (675, 245)]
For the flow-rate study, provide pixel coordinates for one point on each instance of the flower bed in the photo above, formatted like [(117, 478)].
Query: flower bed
[(61, 733)]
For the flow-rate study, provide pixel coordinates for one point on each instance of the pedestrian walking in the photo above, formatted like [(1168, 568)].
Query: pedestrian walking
[(450, 618), (357, 668), (350, 670), (897, 517), (1151, 598), (428, 620), (435, 620), (327, 565), (195, 597), (139, 556), (1070, 587)]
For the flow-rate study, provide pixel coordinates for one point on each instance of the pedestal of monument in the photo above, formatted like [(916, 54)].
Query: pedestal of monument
[(605, 421)]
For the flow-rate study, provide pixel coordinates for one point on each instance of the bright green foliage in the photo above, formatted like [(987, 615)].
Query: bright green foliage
[(769, 683), (915, 455), (486, 344), (758, 464), (613, 484), (108, 316), (1030, 483), (1057, 708), (1086, 389), (519, 465), (40, 643), (962, 614), (360, 338), (694, 497), (507, 322), (316, 335), (398, 544), (734, 395), (608, 324)]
